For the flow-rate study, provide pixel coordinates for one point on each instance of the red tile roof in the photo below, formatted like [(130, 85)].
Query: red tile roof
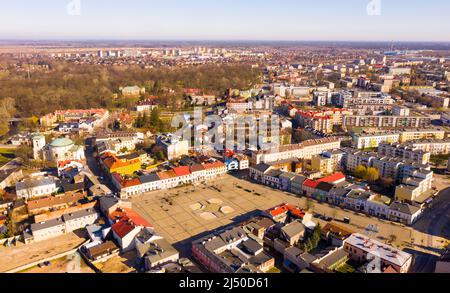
[(166, 175), (310, 183), (123, 228), (214, 165), (129, 215), (285, 208), (182, 171), (333, 178)]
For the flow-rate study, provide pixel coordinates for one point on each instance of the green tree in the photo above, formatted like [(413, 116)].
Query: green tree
[(372, 175), (154, 117), (25, 153), (360, 171)]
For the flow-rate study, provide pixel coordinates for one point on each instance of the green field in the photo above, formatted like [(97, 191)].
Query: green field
[(6, 155)]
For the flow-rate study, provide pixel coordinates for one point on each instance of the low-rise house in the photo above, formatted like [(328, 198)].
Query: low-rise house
[(102, 251), (378, 206), (297, 185), (363, 249), (154, 249), (284, 212), (404, 213), (36, 186), (271, 178), (232, 251), (80, 219), (290, 235), (296, 260), (147, 105), (62, 225), (52, 203), (10, 177), (257, 172), (331, 261), (286, 181), (127, 224)]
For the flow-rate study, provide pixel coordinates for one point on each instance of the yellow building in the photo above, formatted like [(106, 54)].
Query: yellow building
[(123, 167)]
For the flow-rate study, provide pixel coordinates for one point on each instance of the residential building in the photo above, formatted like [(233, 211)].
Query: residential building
[(173, 147), (362, 249), (127, 224), (36, 186), (154, 249), (66, 224), (404, 213), (304, 150), (404, 152), (232, 251), (412, 121)]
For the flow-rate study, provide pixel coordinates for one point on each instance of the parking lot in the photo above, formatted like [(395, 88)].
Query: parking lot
[(172, 214)]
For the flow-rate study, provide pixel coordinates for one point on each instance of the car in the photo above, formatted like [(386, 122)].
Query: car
[(328, 219), (347, 220), (47, 263)]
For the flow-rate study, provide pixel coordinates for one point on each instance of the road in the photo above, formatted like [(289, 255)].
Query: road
[(436, 223), (14, 164)]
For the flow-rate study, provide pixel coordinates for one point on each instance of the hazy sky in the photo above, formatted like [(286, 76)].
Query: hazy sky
[(400, 20)]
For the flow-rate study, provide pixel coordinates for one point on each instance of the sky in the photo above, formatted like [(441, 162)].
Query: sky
[(274, 20)]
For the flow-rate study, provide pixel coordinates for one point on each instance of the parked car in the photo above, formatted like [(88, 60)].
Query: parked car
[(347, 220)]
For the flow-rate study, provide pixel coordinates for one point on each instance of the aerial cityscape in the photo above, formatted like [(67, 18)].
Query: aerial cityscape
[(166, 147)]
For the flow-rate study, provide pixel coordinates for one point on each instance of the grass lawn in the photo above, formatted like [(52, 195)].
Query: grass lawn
[(6, 155), (346, 269)]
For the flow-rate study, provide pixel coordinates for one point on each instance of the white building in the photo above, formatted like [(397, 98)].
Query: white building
[(363, 250), (63, 149), (66, 224), (174, 147), (366, 141), (36, 186), (304, 150)]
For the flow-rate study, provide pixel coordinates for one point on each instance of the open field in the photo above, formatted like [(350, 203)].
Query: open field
[(62, 265), (6, 155), (172, 213), (20, 255), (123, 263)]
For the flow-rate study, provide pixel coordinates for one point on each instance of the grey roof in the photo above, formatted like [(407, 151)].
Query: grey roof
[(214, 243), (149, 178), (79, 214), (299, 179), (274, 173), (309, 258), (339, 191), (262, 167), (108, 202), (333, 258), (35, 182), (288, 176), (47, 224), (252, 246), (293, 229), (73, 186), (404, 208)]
